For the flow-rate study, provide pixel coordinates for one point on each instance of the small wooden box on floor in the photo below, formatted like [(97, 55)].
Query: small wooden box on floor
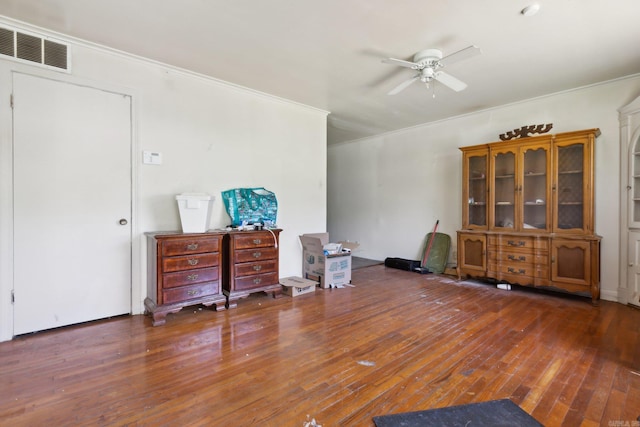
[(183, 270)]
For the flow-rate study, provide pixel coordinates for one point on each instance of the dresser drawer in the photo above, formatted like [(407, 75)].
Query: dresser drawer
[(521, 242), (515, 258), (190, 262), (511, 241), (260, 267), (258, 254), (189, 277), (185, 293), (190, 246), (524, 270), (260, 239), (255, 281)]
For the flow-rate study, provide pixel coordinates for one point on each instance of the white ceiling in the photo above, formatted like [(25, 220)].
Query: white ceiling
[(327, 53)]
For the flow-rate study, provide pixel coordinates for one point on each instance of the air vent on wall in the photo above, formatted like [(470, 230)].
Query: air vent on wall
[(34, 49)]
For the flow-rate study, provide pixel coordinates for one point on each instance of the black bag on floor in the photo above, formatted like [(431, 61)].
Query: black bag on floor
[(402, 264)]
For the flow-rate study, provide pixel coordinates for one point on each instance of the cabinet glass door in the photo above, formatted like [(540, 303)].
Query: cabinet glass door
[(535, 182), (570, 187), (504, 185), (635, 182), (477, 188)]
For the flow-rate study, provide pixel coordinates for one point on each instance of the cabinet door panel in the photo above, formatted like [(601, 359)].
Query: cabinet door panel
[(474, 195), (573, 184), (571, 261), (503, 175), (472, 252), (535, 187)]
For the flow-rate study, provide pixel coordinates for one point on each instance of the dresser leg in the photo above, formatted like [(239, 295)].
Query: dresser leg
[(221, 306), (277, 293), (158, 319), (231, 303)]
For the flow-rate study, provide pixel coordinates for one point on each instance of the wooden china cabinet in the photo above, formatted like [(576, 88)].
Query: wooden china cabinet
[(528, 213)]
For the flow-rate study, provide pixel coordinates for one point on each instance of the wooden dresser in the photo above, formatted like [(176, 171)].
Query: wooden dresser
[(183, 270), (251, 264)]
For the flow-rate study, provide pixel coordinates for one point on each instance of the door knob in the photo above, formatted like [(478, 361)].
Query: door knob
[(123, 221)]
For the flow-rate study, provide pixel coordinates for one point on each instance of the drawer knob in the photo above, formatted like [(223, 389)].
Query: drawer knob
[(515, 258), (192, 246), (193, 292), (514, 243), (257, 267), (513, 270), (193, 261), (257, 254), (257, 281), (257, 241), (192, 277)]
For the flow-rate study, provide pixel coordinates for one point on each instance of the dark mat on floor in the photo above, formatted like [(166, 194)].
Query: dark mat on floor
[(494, 413), (357, 262)]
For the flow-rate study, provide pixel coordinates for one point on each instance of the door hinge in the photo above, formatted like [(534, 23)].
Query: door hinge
[(13, 297), (11, 100)]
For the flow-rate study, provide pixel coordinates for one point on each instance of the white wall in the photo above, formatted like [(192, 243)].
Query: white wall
[(388, 191), (213, 136)]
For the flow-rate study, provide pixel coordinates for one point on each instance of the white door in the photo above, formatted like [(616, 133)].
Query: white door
[(633, 235), (633, 272), (72, 203)]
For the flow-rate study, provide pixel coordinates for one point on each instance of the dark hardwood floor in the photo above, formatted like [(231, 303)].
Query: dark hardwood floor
[(395, 342)]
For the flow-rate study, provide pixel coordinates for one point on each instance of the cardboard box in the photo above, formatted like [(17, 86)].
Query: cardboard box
[(329, 270), (294, 286)]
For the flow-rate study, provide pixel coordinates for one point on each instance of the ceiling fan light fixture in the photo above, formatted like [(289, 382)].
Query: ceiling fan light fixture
[(530, 10), (427, 63)]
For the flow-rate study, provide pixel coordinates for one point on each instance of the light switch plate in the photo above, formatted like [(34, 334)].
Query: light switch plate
[(151, 158)]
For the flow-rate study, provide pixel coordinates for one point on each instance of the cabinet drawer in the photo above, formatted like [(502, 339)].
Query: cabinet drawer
[(190, 246), (190, 292), (522, 242), (189, 277), (258, 254), (250, 268), (256, 281), (190, 262), (515, 258), (515, 269), (260, 239), (511, 241)]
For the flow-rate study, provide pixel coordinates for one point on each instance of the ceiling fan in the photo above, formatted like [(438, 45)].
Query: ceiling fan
[(427, 63)]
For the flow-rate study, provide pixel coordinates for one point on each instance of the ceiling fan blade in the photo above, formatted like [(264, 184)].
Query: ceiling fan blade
[(401, 63), (460, 55), (450, 81), (402, 86)]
